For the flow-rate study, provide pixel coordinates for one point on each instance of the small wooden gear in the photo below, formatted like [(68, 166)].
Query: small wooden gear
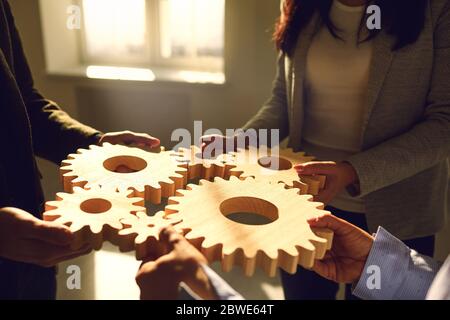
[(276, 168), (285, 242), (153, 174), (203, 167), (93, 215), (141, 232)]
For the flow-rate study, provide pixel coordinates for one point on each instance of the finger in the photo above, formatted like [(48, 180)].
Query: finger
[(69, 256), (322, 268), (170, 238), (48, 255), (50, 232), (324, 196), (142, 139), (337, 225), (145, 269), (313, 168)]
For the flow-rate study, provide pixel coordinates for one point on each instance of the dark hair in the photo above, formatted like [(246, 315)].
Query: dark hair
[(403, 19)]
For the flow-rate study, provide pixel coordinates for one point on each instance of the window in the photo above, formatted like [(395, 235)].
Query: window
[(179, 34)]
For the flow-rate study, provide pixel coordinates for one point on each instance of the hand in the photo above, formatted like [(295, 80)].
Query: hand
[(208, 144), (160, 279), (345, 261), (338, 177), (25, 238), (141, 140)]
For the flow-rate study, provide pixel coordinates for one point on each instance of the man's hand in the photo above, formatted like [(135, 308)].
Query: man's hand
[(160, 279), (338, 177), (345, 261), (141, 140), (25, 238)]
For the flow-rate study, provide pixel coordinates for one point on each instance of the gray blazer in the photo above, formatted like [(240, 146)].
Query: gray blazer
[(405, 142)]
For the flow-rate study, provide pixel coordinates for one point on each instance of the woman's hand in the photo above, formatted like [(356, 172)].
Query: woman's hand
[(345, 261), (141, 140), (338, 177), (25, 238), (213, 141), (160, 279)]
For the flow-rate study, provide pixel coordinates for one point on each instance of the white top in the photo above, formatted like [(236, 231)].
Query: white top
[(337, 76)]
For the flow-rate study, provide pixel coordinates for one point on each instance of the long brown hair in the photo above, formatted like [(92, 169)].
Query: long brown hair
[(403, 19)]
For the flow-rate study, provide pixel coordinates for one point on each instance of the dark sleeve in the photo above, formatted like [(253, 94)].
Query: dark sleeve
[(55, 133)]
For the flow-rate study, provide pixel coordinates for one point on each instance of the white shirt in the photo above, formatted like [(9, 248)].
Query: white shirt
[(336, 83)]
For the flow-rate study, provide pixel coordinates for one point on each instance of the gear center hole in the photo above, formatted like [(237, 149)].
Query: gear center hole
[(95, 206), (125, 164), (275, 163), (249, 210)]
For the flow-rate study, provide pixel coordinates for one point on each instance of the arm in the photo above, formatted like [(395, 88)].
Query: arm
[(427, 143), (274, 114), (404, 273), (55, 133), (383, 267)]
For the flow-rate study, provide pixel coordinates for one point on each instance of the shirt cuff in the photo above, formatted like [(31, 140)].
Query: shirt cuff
[(385, 268), (394, 271), (222, 289)]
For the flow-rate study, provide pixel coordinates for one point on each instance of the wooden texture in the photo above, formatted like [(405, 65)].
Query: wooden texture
[(141, 233), (272, 167), (93, 215), (200, 166), (153, 174), (285, 242)]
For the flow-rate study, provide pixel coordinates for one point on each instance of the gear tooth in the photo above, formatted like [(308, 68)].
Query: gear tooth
[(175, 200), (127, 231), (65, 164), (209, 243), (61, 195), (142, 215), (181, 192), (75, 226), (202, 182), (307, 197), (193, 235), (51, 215), (128, 222), (96, 228), (170, 209), (52, 205), (234, 179)]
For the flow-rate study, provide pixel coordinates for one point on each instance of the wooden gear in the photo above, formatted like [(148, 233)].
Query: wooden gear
[(276, 169), (286, 242), (141, 233), (200, 166), (154, 175), (93, 215)]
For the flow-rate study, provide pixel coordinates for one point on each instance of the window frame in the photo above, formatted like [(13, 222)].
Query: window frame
[(152, 57)]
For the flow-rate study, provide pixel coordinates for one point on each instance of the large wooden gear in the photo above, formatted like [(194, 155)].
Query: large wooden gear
[(203, 167), (271, 167), (286, 242), (94, 215), (154, 174), (141, 233)]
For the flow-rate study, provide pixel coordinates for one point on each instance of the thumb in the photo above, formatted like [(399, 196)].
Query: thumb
[(314, 168), (51, 232), (170, 238), (335, 224)]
